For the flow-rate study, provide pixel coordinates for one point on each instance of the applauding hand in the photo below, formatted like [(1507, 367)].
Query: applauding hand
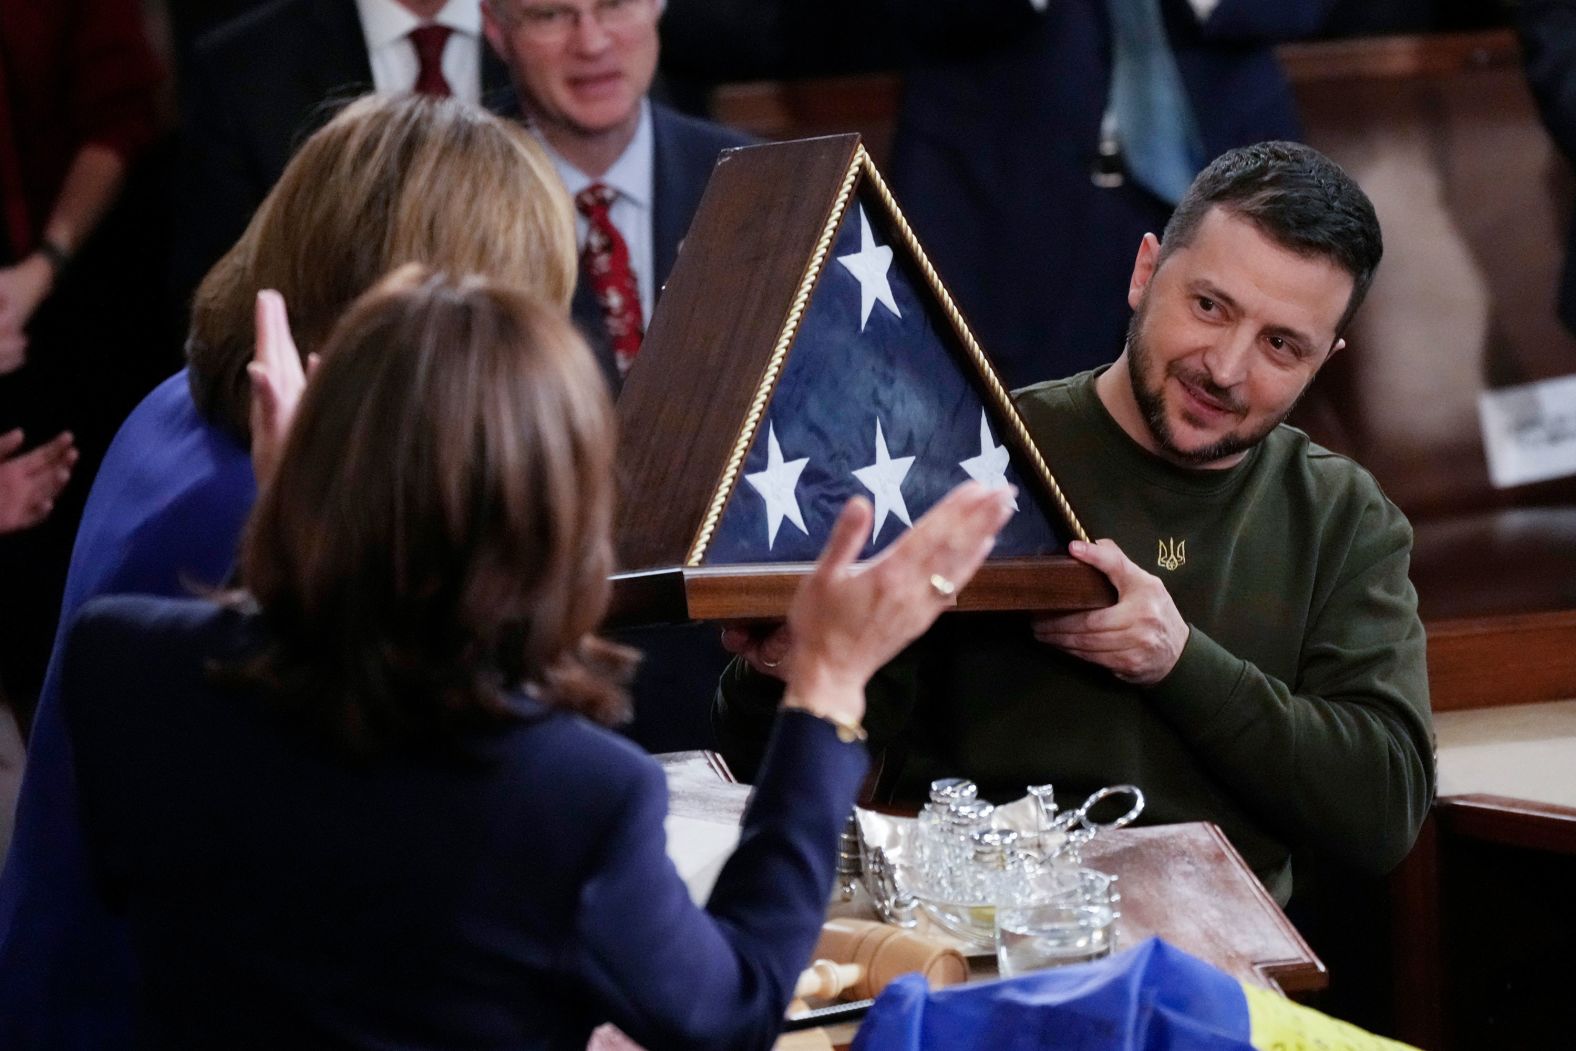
[(847, 620), (30, 482), (22, 288), (278, 381)]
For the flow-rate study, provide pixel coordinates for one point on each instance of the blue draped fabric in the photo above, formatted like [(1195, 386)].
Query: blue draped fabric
[(1153, 997)]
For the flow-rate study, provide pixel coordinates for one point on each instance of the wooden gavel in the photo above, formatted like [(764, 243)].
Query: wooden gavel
[(857, 958)]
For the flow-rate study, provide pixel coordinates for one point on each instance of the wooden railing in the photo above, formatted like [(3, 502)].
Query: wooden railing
[(1488, 661)]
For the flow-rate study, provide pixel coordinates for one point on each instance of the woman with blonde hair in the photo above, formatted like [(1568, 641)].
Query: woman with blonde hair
[(368, 802), (386, 182)]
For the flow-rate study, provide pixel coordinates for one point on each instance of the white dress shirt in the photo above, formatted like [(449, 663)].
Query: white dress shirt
[(386, 24), (632, 178)]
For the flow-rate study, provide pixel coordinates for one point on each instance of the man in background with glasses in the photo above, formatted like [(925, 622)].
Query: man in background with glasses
[(635, 168)]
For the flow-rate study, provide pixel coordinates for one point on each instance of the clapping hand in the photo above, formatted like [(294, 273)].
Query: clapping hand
[(278, 381), (848, 619), (30, 482), (1139, 639), (22, 288)]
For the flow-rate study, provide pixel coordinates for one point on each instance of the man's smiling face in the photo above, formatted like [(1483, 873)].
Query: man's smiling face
[(582, 66), (1227, 332)]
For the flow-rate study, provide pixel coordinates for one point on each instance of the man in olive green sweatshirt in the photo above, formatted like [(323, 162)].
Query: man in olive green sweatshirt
[(1263, 666)]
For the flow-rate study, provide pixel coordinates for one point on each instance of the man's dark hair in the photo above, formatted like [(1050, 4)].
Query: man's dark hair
[(1298, 198)]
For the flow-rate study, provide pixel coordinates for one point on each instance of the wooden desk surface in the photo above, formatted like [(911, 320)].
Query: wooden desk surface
[(1184, 883), (1187, 884), (1508, 775), (1523, 751)]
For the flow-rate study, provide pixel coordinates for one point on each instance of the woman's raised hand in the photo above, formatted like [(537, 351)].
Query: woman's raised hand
[(278, 381), (847, 620)]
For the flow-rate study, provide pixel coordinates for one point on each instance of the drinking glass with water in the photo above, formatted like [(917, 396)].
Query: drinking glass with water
[(1063, 916)]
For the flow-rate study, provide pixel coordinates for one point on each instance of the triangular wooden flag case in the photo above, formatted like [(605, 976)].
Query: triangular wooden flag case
[(804, 350)]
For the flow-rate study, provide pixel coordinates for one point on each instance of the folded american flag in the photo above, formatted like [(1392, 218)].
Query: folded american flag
[(878, 400)]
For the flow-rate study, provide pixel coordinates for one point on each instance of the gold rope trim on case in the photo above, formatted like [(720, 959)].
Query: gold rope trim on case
[(998, 394), (790, 329)]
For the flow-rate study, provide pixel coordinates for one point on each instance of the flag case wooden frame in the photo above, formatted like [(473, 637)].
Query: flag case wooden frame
[(694, 401)]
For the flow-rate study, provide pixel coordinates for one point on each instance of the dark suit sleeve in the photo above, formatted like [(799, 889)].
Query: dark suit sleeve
[(218, 189), (1548, 38), (674, 975), (91, 725), (741, 717), (936, 28), (114, 79), (1264, 21), (796, 38)]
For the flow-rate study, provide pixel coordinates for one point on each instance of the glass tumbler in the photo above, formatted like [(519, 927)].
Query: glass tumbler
[(1064, 915)]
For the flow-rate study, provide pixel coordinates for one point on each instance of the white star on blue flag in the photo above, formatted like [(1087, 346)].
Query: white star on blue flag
[(989, 468), (776, 485), (869, 266), (902, 366), (884, 479)]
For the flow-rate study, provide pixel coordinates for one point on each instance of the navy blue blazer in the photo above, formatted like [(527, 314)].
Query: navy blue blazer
[(513, 896), (993, 156), (164, 516), (254, 89)]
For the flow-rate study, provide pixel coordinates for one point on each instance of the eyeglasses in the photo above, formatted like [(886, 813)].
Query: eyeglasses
[(553, 23)]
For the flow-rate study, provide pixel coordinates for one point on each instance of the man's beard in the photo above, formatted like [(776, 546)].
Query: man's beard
[(1151, 403)]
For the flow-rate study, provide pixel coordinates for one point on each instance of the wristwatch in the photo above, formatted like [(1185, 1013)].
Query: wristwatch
[(55, 254), (848, 731)]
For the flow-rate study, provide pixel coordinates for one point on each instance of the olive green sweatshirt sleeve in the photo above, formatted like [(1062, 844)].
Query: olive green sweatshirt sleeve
[(1342, 760)]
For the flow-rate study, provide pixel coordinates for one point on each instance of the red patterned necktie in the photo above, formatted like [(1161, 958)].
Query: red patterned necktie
[(606, 263), (428, 42)]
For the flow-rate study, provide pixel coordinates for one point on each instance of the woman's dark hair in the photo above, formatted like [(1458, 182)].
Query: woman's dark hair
[(438, 532), (1298, 198)]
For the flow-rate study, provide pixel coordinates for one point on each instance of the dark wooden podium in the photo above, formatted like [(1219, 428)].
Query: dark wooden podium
[(748, 345)]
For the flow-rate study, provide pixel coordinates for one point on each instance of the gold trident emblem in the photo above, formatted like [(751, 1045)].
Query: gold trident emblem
[(1176, 555)]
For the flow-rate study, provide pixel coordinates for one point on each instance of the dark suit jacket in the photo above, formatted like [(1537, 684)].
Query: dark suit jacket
[(685, 150), (993, 156), (1548, 37), (512, 893), (256, 87), (680, 664)]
